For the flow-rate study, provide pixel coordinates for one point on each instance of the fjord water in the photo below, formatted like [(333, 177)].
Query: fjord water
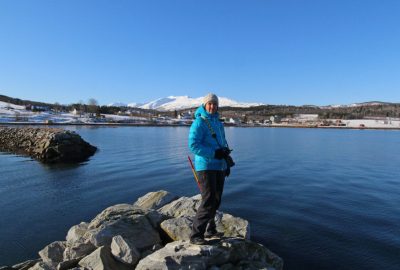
[(321, 199)]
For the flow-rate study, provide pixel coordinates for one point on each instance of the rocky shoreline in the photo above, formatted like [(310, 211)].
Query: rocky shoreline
[(48, 145), (153, 233)]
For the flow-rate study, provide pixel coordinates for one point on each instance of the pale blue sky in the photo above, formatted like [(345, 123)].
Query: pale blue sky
[(272, 51)]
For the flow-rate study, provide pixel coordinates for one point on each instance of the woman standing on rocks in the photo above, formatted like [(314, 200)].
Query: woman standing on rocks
[(207, 141)]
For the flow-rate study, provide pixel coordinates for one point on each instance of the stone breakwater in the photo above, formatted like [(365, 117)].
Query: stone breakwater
[(153, 233), (49, 145)]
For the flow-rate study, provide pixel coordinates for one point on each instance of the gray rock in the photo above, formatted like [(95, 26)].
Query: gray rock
[(101, 259), (155, 200), (53, 253), (183, 206), (124, 251), (175, 255), (232, 226), (178, 228), (235, 252), (136, 229), (78, 250), (114, 213), (6, 268), (155, 218), (75, 233)]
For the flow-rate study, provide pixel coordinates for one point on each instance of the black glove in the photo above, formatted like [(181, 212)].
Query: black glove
[(219, 153), (228, 171)]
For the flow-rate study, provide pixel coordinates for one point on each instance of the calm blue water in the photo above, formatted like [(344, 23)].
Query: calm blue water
[(321, 199)]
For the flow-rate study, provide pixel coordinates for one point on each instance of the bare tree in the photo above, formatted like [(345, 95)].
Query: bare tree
[(57, 107), (92, 106), (81, 107)]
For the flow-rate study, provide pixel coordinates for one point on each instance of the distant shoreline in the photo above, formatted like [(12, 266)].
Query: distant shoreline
[(186, 125)]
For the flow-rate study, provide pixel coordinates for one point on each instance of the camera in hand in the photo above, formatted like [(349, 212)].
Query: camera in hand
[(228, 158)]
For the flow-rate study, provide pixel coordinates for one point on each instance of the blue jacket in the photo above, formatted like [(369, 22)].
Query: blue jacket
[(203, 145)]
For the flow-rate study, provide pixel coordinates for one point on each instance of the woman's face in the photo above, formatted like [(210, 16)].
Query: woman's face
[(211, 107)]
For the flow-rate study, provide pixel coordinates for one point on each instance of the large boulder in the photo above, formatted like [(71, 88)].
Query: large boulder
[(126, 220), (232, 252), (76, 233), (180, 228), (77, 245), (232, 226), (137, 229), (78, 249), (52, 254), (155, 200), (181, 207), (101, 259), (124, 251), (115, 212)]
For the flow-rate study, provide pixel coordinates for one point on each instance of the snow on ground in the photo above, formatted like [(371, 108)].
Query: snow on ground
[(15, 113), (5, 105), (371, 123)]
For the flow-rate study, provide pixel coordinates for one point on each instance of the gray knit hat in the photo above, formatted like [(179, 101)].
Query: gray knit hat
[(210, 97)]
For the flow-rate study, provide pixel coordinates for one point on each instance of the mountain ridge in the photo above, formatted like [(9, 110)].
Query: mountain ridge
[(171, 103), (225, 102)]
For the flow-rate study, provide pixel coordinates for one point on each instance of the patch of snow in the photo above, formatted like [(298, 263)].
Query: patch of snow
[(372, 123), (9, 105)]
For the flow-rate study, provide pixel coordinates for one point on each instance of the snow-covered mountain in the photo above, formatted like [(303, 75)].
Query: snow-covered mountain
[(184, 102), (369, 103), (117, 104)]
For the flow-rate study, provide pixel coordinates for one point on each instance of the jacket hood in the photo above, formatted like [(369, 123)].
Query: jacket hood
[(201, 111)]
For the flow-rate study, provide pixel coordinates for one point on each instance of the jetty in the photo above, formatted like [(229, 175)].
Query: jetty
[(48, 145)]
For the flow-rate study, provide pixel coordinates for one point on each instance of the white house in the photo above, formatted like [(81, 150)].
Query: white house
[(235, 121)]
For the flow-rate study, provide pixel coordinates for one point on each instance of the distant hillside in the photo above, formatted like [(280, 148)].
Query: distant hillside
[(353, 111), (366, 109), (18, 101)]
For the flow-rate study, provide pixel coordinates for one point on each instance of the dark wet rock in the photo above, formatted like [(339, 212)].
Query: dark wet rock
[(48, 145), (25, 265)]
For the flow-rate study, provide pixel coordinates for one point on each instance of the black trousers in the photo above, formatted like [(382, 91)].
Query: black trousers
[(212, 186)]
